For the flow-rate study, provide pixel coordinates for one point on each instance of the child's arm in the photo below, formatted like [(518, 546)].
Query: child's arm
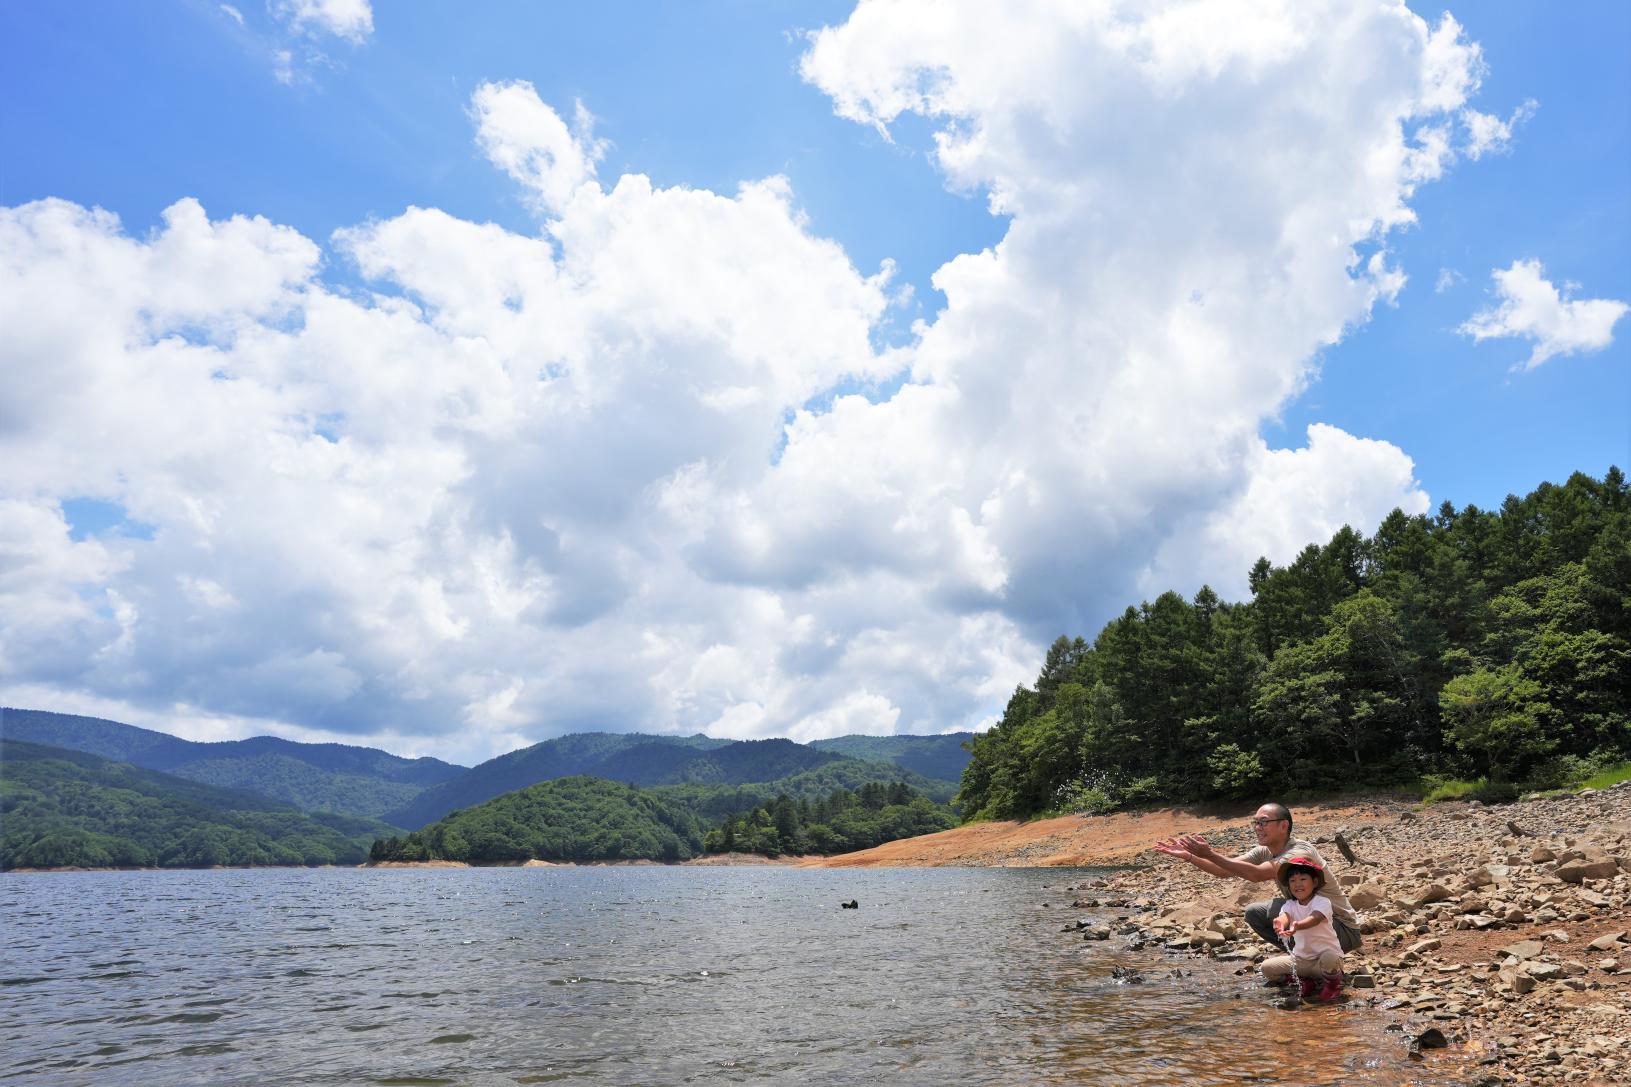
[(1315, 918)]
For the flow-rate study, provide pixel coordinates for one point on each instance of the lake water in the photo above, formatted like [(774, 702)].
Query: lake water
[(625, 975)]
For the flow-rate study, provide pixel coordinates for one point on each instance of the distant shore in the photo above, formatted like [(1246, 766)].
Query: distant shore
[(713, 860)]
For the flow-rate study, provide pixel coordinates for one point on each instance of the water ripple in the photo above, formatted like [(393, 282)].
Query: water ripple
[(623, 975)]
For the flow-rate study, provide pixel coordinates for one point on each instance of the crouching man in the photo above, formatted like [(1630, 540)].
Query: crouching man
[(1275, 845)]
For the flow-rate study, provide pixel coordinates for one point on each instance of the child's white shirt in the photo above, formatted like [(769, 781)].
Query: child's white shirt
[(1317, 938)]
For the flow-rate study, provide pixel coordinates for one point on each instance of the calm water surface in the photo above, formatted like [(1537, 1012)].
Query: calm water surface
[(624, 976)]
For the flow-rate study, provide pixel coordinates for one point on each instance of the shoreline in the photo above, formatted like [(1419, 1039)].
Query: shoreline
[(713, 860), (1495, 937), (1505, 927)]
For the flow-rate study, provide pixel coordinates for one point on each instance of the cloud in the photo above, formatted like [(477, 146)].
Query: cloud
[(1532, 308), (646, 468), (1447, 278), (529, 141), (1488, 134), (351, 20), (232, 13), (1293, 497)]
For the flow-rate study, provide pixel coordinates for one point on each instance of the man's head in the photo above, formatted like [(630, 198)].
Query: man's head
[(1272, 823)]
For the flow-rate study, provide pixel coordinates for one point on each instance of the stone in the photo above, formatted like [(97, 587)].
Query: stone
[(1518, 981), (1543, 971), (1433, 892), (1608, 942), (1587, 868), (1366, 896), (1422, 946), (1523, 949), (1540, 855)]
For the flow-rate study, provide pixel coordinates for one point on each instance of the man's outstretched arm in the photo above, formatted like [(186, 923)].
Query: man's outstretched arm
[(1236, 867), (1173, 847)]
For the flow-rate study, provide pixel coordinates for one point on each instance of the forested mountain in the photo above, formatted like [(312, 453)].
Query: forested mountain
[(565, 819), (734, 763), (1470, 643), (564, 756), (840, 822), (714, 802), (715, 769), (314, 777), (64, 807), (941, 758)]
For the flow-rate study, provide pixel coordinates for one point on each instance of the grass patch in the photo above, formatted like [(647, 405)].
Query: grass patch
[(1441, 789), (1612, 775)]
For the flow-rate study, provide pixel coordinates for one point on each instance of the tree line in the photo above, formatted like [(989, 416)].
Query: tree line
[(840, 822), (1468, 643)]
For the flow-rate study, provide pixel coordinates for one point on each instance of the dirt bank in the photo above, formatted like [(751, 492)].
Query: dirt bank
[(1089, 840), (1503, 927)]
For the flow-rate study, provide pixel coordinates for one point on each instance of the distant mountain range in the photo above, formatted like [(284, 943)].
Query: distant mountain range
[(633, 758), (938, 758), (68, 808), (719, 776), (313, 777)]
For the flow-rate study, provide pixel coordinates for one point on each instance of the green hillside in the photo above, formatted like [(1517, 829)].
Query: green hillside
[(567, 819), (840, 822), (941, 758), (1476, 645), (313, 777), (629, 756), (713, 802), (69, 808)]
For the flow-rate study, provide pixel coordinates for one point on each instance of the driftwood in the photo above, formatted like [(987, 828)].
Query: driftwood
[(1517, 830), (1347, 850)]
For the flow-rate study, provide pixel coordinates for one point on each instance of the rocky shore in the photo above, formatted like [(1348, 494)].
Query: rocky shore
[(1494, 935)]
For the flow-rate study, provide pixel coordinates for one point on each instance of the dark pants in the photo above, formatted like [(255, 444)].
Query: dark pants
[(1260, 916)]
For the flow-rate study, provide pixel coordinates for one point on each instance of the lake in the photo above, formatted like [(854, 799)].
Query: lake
[(626, 975)]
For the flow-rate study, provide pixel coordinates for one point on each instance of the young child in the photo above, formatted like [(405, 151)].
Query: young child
[(1306, 916)]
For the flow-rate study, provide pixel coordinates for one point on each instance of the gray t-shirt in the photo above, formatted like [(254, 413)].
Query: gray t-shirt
[(1297, 847)]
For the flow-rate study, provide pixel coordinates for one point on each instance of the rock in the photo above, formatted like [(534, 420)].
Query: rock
[(1421, 946), (1523, 949), (1543, 971), (1361, 981), (1366, 896), (1516, 980), (1609, 942), (1434, 892), (1587, 868), (1540, 855)]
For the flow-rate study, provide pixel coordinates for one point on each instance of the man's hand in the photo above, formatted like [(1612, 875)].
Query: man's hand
[(1198, 846), (1173, 847)]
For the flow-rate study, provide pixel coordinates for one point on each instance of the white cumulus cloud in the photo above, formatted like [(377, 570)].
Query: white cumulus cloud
[(352, 20), (646, 468), (1531, 308)]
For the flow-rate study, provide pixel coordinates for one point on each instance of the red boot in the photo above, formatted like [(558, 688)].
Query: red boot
[(1330, 988), (1307, 986)]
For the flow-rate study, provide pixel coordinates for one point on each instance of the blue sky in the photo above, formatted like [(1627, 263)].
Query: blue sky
[(334, 129)]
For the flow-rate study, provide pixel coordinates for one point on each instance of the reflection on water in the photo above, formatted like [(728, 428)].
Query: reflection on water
[(624, 976)]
